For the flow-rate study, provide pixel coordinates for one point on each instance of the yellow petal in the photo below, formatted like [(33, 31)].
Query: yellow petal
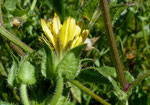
[(71, 29), (84, 35), (77, 41), (50, 25), (56, 24), (47, 42), (76, 32), (47, 32), (64, 32)]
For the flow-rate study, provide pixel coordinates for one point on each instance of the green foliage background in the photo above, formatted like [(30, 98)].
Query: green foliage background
[(130, 19)]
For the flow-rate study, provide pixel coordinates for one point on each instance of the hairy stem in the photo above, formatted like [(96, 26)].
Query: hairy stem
[(14, 39), (17, 49), (1, 19), (113, 46), (89, 92), (59, 89), (24, 96), (137, 81)]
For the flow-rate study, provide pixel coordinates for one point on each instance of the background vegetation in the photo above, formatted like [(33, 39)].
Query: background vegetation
[(130, 20)]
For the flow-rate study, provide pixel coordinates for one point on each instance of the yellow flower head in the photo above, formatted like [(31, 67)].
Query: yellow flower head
[(67, 35)]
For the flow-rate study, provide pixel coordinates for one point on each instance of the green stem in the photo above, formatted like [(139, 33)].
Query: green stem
[(123, 102), (89, 92), (23, 90), (59, 89), (95, 16), (137, 81), (145, 37), (33, 5), (1, 19), (2, 70), (16, 95), (14, 39), (113, 46), (123, 5)]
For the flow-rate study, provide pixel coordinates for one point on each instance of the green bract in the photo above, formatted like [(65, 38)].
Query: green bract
[(12, 72), (48, 63), (68, 66)]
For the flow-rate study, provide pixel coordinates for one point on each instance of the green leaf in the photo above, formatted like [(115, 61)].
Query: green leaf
[(108, 71), (92, 76), (27, 73), (5, 103), (118, 92), (20, 12), (129, 77), (113, 2), (48, 65), (10, 4), (76, 92), (61, 100), (2, 70), (13, 71), (89, 7), (64, 100), (147, 81), (117, 12), (69, 66)]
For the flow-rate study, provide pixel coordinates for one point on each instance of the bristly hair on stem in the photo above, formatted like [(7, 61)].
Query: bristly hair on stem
[(113, 46)]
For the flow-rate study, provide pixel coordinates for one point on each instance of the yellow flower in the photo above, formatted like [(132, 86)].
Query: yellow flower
[(68, 35)]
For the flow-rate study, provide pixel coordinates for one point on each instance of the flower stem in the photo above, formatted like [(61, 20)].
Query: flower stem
[(113, 46), (59, 89), (14, 39), (89, 92), (23, 90)]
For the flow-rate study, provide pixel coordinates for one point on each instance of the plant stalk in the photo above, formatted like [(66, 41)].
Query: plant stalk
[(137, 81), (113, 45), (17, 49), (89, 92), (24, 96), (145, 37), (14, 39), (1, 19), (33, 5), (59, 89)]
